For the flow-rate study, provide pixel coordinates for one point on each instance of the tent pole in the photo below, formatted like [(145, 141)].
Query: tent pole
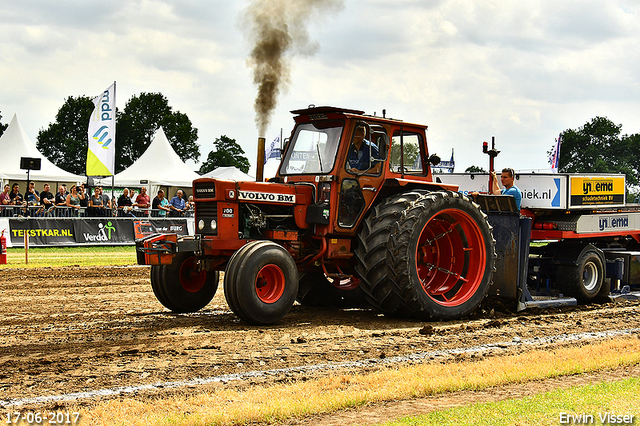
[(113, 202)]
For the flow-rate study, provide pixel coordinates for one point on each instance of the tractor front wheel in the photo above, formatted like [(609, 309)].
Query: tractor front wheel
[(261, 282), (181, 286)]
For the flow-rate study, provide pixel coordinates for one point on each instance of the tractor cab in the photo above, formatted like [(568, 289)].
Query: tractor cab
[(351, 159)]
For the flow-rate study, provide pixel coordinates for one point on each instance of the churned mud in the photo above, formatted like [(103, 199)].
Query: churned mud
[(71, 330)]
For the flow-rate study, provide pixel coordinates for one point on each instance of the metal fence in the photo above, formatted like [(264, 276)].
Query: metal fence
[(71, 212)]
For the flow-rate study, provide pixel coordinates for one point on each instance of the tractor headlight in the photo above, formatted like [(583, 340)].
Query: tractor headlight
[(201, 224), (214, 225)]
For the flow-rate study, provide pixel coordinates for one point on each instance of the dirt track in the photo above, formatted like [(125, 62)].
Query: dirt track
[(81, 329)]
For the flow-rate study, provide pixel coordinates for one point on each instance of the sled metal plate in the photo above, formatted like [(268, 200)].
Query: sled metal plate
[(551, 302), (157, 249)]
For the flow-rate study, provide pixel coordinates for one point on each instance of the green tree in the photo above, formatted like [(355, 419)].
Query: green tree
[(226, 153), (64, 142), (598, 147), (475, 169), (141, 118), (3, 127)]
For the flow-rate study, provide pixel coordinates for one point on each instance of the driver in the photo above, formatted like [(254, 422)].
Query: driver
[(358, 159)]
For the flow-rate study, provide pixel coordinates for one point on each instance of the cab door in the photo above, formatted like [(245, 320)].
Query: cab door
[(359, 187)]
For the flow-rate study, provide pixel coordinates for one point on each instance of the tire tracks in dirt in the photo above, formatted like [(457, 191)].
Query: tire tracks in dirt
[(69, 330)]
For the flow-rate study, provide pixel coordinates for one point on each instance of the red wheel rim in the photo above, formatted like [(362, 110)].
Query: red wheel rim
[(451, 257), (190, 279), (270, 284), (346, 283)]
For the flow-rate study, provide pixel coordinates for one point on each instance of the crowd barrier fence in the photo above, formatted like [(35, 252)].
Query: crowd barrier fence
[(65, 231)]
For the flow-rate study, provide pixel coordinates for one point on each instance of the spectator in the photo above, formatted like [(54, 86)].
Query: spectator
[(177, 204), (96, 204), (73, 200), (16, 197), (124, 204), (161, 203), (142, 200), (190, 207), (4, 196), (47, 199), (61, 196), (33, 196), (106, 202), (4, 199), (84, 196)]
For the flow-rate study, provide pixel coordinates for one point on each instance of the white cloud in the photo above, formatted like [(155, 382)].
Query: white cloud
[(522, 71)]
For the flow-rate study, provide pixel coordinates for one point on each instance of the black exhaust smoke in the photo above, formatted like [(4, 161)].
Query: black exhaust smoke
[(277, 31)]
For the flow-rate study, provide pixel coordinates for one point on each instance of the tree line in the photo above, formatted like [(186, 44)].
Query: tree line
[(596, 147), (64, 141)]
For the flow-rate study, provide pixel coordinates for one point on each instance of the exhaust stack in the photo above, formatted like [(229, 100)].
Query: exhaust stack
[(260, 160)]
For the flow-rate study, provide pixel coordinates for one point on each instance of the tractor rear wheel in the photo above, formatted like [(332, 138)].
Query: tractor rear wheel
[(442, 256), (181, 287), (261, 282), (371, 252)]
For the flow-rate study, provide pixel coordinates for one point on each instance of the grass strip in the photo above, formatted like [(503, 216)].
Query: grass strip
[(326, 395), (601, 403), (71, 256)]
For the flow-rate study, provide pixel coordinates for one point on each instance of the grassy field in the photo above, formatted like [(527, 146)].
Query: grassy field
[(589, 404), (300, 399), (70, 256)]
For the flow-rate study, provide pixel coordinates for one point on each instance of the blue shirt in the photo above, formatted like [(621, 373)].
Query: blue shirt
[(178, 203), (359, 158), (515, 192)]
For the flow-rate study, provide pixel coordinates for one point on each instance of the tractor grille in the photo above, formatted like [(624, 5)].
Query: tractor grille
[(205, 213)]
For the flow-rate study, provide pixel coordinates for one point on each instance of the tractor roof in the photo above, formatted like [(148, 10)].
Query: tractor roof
[(326, 109)]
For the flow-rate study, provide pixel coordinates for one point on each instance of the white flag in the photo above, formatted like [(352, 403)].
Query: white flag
[(273, 150), (102, 135)]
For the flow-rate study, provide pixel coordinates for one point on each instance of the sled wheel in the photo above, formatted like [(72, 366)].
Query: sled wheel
[(181, 288), (584, 280), (443, 256), (261, 282)]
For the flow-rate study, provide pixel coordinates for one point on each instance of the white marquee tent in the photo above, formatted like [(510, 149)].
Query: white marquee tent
[(229, 173), (14, 144)]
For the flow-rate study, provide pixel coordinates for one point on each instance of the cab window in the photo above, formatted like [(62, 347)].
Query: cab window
[(405, 153), (367, 149)]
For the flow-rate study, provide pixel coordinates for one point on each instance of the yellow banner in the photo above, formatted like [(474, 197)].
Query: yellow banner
[(594, 190)]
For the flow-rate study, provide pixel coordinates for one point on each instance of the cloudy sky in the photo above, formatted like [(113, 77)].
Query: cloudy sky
[(519, 71)]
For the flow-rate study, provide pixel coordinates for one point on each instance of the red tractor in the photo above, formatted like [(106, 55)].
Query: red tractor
[(353, 216)]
